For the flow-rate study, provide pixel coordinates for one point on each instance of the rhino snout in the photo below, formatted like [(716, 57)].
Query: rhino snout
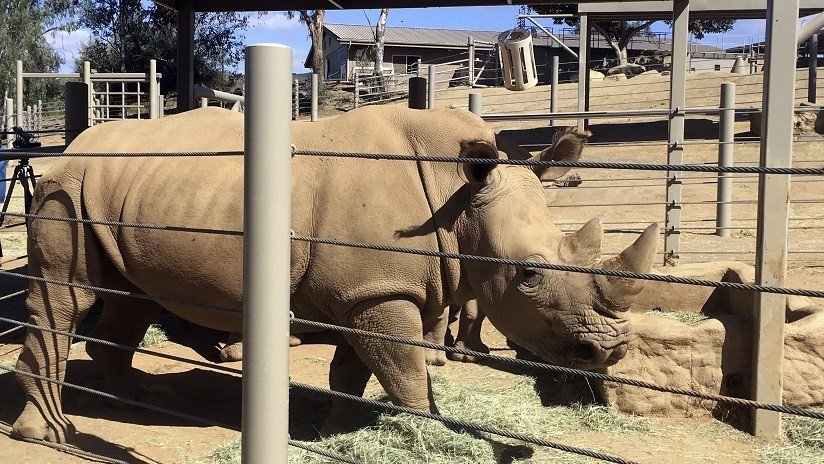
[(593, 350)]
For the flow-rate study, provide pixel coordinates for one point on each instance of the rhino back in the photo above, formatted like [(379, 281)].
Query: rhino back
[(360, 200)]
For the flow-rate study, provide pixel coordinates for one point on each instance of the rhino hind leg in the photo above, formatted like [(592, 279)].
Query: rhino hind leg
[(437, 334), (347, 374), (64, 252), (124, 321), (469, 333)]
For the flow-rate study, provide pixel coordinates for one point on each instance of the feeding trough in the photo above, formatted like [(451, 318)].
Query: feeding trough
[(518, 59)]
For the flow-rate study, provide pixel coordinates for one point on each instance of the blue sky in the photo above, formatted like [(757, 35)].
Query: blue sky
[(275, 27)]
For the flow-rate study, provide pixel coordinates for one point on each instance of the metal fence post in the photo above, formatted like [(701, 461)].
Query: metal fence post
[(314, 114), (8, 121), (29, 119), (19, 94), (553, 97), (357, 90), (38, 119), (675, 148), (76, 117), (295, 99), (154, 91), (266, 253), (773, 211), (476, 103), (812, 49), (726, 136), (204, 102), (470, 48), (87, 79), (161, 104), (583, 70), (430, 93)]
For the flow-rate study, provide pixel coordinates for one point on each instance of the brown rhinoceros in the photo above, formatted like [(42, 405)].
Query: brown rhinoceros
[(572, 319)]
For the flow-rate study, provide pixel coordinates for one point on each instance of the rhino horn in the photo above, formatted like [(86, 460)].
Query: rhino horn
[(618, 293), (583, 247)]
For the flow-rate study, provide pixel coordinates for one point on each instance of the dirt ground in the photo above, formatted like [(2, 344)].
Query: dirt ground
[(136, 435)]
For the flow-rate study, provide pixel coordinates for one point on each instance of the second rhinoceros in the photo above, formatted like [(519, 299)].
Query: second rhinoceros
[(574, 319)]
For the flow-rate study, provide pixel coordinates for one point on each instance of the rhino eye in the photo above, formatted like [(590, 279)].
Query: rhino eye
[(531, 276)]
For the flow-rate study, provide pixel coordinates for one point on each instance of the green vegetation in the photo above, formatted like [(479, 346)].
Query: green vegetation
[(803, 443), (154, 336), (686, 318), (500, 400)]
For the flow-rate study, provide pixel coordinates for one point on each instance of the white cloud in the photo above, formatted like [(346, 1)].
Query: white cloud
[(274, 22), (67, 45)]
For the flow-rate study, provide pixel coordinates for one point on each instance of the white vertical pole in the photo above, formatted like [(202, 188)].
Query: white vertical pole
[(295, 100), (773, 210), (357, 90), (38, 115), (8, 121), (19, 94), (430, 94), (675, 148), (470, 47), (553, 97), (87, 78), (29, 118), (154, 91), (204, 102), (726, 136), (476, 103), (583, 69), (314, 113), (266, 253)]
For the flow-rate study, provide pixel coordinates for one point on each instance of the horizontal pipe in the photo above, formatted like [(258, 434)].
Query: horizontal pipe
[(201, 91)]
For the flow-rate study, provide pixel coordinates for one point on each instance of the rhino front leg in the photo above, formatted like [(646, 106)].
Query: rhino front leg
[(469, 332), (437, 334), (401, 369)]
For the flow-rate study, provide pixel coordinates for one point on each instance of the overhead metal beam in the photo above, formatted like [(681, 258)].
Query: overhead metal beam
[(811, 28), (704, 9), (773, 210)]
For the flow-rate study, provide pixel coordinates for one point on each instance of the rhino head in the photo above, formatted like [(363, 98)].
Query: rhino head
[(565, 318)]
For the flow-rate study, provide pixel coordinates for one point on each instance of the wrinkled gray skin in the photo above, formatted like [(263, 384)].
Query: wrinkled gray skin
[(571, 319), (567, 145)]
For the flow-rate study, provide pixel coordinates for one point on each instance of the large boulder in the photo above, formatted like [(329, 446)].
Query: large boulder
[(593, 76), (713, 355), (629, 70), (804, 122)]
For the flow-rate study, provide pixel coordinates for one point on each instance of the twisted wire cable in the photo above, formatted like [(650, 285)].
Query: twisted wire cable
[(564, 267), (160, 409), (566, 370), (460, 423), (73, 450), (141, 296), (568, 164), (57, 152), (135, 225)]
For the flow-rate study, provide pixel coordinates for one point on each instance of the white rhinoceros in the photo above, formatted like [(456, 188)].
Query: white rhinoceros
[(574, 319)]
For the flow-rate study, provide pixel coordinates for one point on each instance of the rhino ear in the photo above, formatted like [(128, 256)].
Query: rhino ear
[(583, 247), (478, 173), (567, 145)]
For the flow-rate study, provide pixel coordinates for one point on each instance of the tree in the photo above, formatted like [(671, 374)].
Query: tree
[(126, 35), (380, 32), (24, 28), (313, 20), (618, 34)]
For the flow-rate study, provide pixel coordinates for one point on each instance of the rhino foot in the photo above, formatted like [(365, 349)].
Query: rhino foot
[(32, 424), (435, 357), (479, 347)]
